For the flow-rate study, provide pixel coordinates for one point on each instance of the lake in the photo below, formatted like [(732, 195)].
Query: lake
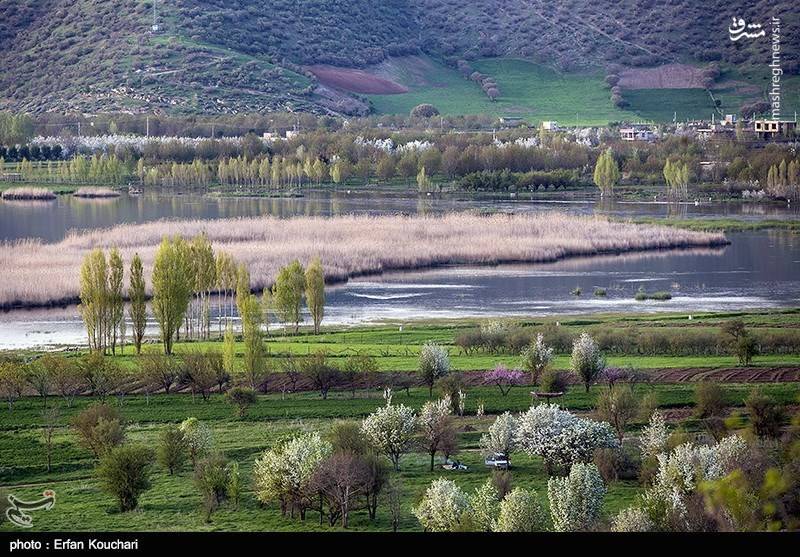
[(758, 270)]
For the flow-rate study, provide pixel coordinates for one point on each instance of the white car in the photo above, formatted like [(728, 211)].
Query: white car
[(498, 460)]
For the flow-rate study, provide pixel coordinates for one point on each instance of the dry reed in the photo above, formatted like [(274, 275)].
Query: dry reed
[(96, 192), (36, 273), (28, 194)]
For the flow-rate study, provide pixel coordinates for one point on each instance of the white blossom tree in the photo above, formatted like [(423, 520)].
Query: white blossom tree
[(198, 437), (434, 363), (390, 431), (500, 437), (587, 362), (442, 507), (520, 511), (653, 438), (576, 500), (537, 357), (283, 473), (632, 519), (560, 437), (484, 506), (435, 424)]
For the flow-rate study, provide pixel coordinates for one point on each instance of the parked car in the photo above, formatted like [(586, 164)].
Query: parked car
[(498, 460)]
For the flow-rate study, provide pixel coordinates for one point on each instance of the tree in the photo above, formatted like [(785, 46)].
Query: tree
[(434, 363), (159, 370), (173, 449), (125, 474), (390, 431), (241, 398), (315, 292), (520, 511), (484, 505), (12, 381), (213, 477), (199, 440), (653, 437), (632, 519), (442, 507), (229, 352), (766, 416), (65, 376), (501, 436), (424, 111), (423, 181), (287, 292), (618, 406), (199, 373), (576, 501), (116, 299), (40, 378), (95, 298), (504, 378), (322, 374), (435, 422), (172, 288), (254, 360), (138, 302), (587, 362), (537, 357), (284, 472), (561, 438), (50, 421), (340, 480), (99, 428), (606, 172)]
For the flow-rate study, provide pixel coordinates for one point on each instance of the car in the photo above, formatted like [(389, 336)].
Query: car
[(498, 460)]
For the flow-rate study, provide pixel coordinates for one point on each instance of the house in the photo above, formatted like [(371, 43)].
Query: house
[(550, 126), (772, 129), (637, 132)]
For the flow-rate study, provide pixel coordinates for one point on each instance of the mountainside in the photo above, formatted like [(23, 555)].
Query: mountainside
[(256, 55)]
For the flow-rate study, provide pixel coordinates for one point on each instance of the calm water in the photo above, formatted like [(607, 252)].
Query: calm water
[(52, 220), (758, 270)]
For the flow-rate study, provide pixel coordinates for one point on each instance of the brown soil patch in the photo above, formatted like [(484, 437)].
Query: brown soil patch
[(356, 81), (727, 375), (669, 76)]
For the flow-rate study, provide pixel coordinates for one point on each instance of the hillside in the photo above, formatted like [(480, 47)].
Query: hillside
[(235, 56)]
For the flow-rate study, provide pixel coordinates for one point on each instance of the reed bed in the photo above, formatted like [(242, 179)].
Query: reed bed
[(96, 193), (28, 194), (40, 274)]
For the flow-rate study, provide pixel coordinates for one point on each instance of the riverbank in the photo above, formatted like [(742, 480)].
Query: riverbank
[(350, 246)]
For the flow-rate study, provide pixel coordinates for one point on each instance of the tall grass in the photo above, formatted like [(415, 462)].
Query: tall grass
[(28, 194), (36, 273)]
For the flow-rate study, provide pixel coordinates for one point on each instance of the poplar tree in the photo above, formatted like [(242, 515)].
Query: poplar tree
[(606, 172), (172, 288), (138, 307), (287, 293), (94, 298), (315, 292), (116, 300)]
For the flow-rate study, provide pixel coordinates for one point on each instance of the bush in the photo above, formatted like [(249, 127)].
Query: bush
[(709, 400), (212, 478), (241, 398), (766, 416), (125, 473), (99, 428), (520, 511), (172, 449), (553, 381), (746, 347)]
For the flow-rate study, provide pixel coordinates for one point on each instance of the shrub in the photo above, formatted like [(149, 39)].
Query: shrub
[(125, 473), (766, 416), (746, 349), (99, 428), (484, 505), (576, 501), (211, 476), (172, 449), (709, 400), (241, 398), (520, 511), (633, 519), (553, 381)]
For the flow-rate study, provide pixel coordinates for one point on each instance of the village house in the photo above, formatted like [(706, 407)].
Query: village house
[(773, 129), (637, 132)]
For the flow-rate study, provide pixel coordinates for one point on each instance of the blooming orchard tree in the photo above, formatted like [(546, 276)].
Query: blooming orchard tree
[(653, 439), (198, 437), (284, 472), (500, 437), (520, 511), (633, 519), (484, 505), (390, 430), (587, 362), (504, 378), (560, 437), (434, 363), (537, 357), (442, 506), (576, 501), (435, 424)]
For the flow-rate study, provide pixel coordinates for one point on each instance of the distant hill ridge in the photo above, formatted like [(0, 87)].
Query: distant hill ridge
[(253, 55)]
